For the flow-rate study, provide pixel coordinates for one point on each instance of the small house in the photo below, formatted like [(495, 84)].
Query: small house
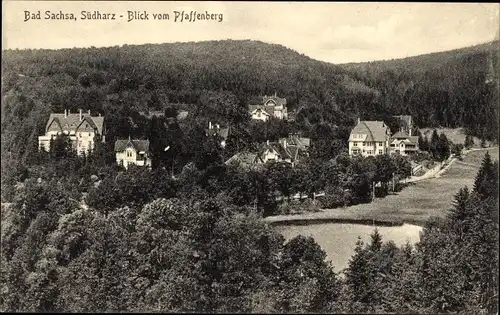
[(132, 152)]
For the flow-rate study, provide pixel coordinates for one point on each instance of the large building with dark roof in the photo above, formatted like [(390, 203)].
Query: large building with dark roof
[(369, 138), (82, 128)]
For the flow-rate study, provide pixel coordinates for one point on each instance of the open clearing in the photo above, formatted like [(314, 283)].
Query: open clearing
[(455, 135), (414, 204)]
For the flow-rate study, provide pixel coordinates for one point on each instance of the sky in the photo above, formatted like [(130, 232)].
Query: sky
[(329, 31)]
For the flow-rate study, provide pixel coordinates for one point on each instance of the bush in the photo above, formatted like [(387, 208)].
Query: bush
[(333, 198), (298, 206)]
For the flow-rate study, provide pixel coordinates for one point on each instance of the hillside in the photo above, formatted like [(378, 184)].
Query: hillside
[(211, 79), (118, 80), (457, 88), (424, 62)]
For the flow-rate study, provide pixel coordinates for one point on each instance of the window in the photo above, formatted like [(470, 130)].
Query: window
[(369, 152), (380, 143), (364, 143), (379, 151), (355, 144), (129, 154)]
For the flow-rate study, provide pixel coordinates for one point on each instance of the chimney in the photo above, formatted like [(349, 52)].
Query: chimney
[(89, 112), (267, 142), (65, 113), (359, 120), (80, 115), (209, 125), (217, 126), (284, 143), (410, 132)]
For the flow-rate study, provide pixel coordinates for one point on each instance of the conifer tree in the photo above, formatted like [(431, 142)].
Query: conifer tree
[(459, 213), (434, 145), (486, 179)]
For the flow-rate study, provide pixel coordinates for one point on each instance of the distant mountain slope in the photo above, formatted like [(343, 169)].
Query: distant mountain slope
[(457, 88), (427, 61)]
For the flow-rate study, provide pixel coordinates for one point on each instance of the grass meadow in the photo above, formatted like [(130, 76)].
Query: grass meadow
[(415, 203)]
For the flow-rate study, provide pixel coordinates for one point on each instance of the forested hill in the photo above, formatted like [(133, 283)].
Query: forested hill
[(211, 78), (457, 88), (422, 63), (246, 68), (117, 80)]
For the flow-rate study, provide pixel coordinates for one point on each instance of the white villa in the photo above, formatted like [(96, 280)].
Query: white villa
[(132, 152), (82, 129), (272, 106), (404, 143), (369, 138)]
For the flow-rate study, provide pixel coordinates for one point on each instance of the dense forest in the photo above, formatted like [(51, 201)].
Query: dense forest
[(81, 234), (215, 81), (457, 88), (201, 254)]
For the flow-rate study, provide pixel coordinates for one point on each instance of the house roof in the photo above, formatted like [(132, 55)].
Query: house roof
[(244, 159), (268, 104), (73, 122), (181, 115), (267, 110), (374, 130), (221, 132), (400, 134), (413, 139), (277, 100), (405, 136), (404, 118), (302, 143), (290, 151), (138, 145)]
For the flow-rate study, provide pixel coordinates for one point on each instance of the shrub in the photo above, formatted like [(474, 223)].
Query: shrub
[(333, 198), (298, 206)]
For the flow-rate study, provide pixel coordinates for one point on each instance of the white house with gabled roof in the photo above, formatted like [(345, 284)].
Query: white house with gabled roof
[(272, 106), (369, 138), (82, 128)]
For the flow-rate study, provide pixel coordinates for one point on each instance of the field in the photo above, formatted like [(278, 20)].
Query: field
[(414, 204), (455, 135)]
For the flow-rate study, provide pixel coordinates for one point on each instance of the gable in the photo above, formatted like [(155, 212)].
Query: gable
[(260, 110), (270, 102), (54, 125), (86, 125), (72, 122)]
